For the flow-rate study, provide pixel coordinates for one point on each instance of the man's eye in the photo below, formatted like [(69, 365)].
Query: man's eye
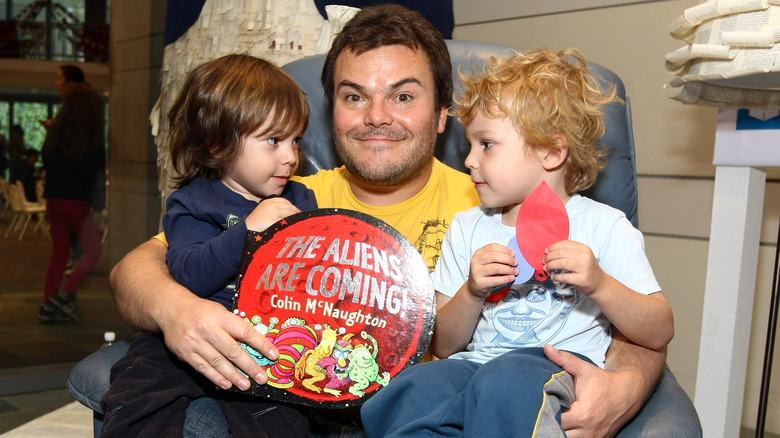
[(352, 98), (404, 97)]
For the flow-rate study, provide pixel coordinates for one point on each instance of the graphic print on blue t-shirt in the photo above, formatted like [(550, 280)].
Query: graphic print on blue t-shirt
[(531, 314)]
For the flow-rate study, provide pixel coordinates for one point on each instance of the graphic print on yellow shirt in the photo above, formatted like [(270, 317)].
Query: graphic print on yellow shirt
[(423, 219)]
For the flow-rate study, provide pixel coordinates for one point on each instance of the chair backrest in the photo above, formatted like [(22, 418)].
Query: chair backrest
[(616, 185), (19, 200), (4, 190), (40, 188), (15, 196)]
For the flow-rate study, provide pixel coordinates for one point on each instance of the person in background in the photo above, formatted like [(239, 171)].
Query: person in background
[(16, 150), (74, 159), (28, 174), (3, 154)]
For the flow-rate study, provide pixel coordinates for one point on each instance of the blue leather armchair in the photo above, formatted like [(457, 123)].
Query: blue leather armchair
[(668, 413)]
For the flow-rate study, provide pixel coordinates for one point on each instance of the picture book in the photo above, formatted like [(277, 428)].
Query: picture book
[(345, 298)]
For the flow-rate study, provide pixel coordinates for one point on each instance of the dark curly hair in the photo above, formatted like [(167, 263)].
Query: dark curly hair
[(222, 102), (387, 25)]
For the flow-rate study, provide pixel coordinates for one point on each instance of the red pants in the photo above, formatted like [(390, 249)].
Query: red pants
[(67, 216)]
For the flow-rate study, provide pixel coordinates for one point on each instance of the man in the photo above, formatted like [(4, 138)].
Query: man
[(388, 79)]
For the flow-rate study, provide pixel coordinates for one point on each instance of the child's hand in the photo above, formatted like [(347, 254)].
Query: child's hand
[(492, 265), (572, 262), (269, 212)]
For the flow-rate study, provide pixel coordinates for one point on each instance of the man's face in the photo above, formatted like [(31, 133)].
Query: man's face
[(385, 119), (61, 83)]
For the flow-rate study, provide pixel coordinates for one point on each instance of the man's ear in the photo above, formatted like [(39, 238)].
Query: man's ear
[(442, 120), (556, 153)]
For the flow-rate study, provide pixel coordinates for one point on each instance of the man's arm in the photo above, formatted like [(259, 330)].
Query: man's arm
[(606, 399), (134, 282), (200, 332)]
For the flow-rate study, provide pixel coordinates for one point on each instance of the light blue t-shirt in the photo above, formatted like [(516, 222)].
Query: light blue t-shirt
[(535, 313)]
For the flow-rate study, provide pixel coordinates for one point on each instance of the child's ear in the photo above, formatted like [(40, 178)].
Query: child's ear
[(556, 153)]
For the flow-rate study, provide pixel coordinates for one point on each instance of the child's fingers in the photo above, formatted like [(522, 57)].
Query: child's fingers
[(494, 269), (495, 247), (565, 256), (485, 278), (555, 263), (491, 266), (566, 246), (495, 253)]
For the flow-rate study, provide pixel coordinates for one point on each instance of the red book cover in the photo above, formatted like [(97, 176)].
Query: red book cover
[(345, 298)]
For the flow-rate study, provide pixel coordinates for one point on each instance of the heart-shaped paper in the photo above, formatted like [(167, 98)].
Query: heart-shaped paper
[(541, 221)]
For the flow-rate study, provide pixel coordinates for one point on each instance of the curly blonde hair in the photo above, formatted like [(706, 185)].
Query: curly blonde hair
[(546, 95)]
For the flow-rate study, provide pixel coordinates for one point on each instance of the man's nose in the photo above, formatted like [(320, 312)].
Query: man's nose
[(378, 114)]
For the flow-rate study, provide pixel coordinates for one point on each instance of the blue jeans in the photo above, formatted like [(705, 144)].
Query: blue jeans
[(205, 419), (520, 393), (669, 412)]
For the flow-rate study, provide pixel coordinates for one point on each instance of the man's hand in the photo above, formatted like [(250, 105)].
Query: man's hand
[(605, 400), (208, 339), (200, 332)]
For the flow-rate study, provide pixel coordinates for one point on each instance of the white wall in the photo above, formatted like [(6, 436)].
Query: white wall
[(674, 155)]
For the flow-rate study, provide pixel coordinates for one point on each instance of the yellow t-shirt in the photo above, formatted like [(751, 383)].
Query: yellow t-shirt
[(161, 237), (423, 219)]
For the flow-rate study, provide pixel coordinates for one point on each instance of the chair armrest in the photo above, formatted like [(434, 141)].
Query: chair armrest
[(89, 379), (668, 413)]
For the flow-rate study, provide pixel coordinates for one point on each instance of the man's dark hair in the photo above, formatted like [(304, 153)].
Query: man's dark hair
[(387, 25), (78, 128), (72, 73)]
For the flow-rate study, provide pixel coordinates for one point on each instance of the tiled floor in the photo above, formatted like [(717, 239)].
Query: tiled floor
[(72, 421), (35, 357), (48, 414), (24, 339)]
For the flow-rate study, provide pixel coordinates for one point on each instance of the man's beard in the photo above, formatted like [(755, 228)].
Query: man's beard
[(416, 156)]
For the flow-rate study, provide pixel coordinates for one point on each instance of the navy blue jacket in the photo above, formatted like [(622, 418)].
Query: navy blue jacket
[(205, 228)]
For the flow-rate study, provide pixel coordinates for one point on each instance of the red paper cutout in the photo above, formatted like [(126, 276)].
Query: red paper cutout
[(541, 221)]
